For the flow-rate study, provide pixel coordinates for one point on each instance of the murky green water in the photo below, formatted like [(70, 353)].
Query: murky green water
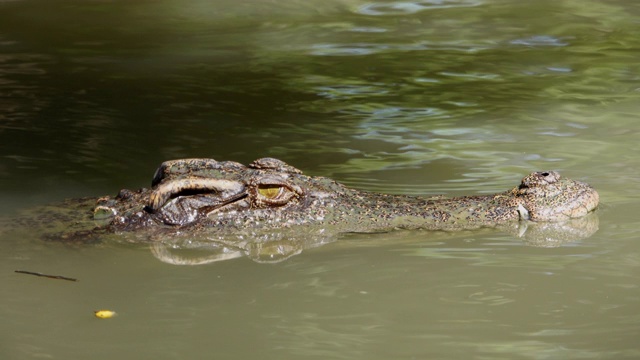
[(413, 97)]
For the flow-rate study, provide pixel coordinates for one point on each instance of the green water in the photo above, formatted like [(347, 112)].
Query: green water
[(409, 97)]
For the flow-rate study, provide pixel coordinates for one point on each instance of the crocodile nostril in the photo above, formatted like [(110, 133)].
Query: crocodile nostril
[(545, 174)]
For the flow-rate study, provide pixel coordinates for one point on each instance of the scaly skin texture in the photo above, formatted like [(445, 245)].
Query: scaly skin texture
[(542, 196), (269, 198)]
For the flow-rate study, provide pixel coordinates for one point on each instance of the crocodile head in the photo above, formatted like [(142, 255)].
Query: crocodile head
[(207, 193), (270, 194)]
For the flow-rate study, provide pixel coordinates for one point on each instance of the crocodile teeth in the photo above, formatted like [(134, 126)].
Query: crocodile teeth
[(524, 213)]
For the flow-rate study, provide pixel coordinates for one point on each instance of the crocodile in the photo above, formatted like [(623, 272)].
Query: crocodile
[(272, 205)]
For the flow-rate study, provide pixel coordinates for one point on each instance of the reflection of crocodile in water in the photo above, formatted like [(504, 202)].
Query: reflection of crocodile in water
[(271, 210)]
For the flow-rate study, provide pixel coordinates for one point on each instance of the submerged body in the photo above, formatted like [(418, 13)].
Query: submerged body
[(269, 198)]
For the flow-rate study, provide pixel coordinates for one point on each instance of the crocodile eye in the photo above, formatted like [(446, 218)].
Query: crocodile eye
[(273, 194), (270, 192)]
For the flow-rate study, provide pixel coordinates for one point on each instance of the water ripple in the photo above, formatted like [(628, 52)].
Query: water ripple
[(540, 40), (412, 7), (350, 91), (362, 48), (356, 49)]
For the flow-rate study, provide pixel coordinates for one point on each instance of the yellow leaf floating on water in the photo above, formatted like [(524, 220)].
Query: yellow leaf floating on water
[(104, 314)]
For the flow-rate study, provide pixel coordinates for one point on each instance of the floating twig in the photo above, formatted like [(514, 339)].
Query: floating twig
[(45, 275)]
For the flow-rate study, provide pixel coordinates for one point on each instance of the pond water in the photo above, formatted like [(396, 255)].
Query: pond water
[(408, 97)]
